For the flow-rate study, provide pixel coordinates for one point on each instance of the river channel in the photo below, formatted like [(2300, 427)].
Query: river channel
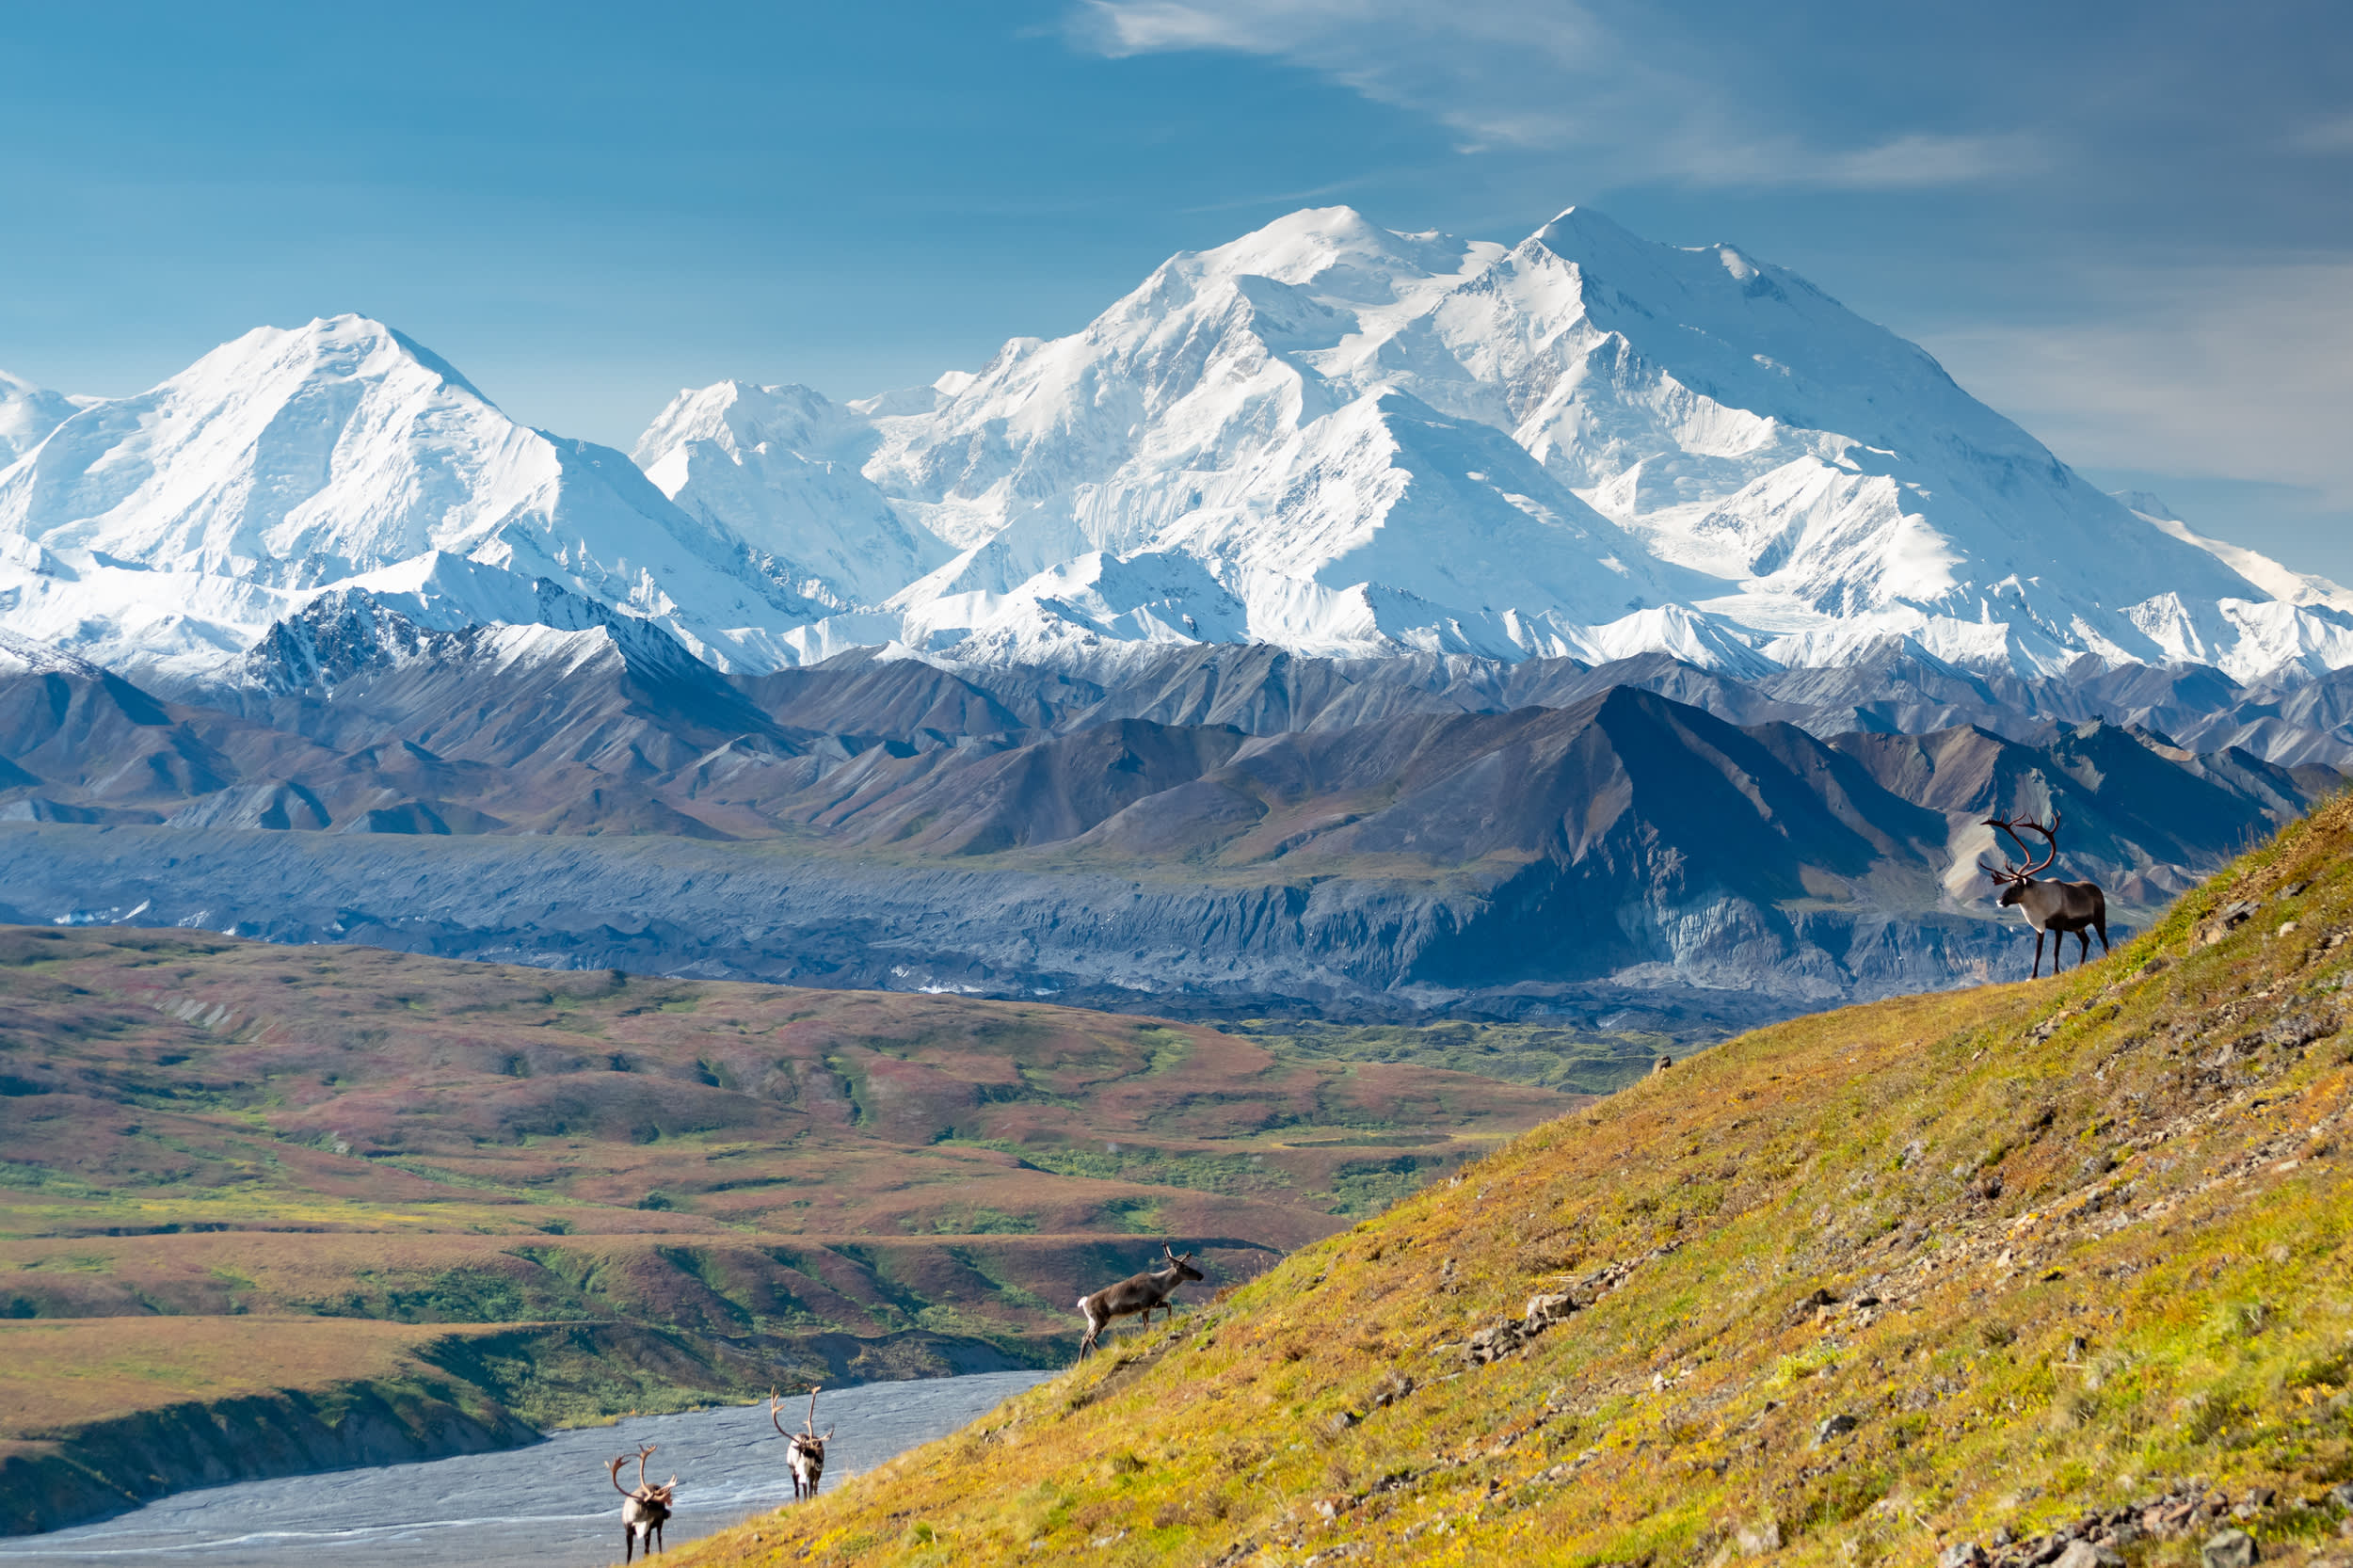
[(546, 1505)]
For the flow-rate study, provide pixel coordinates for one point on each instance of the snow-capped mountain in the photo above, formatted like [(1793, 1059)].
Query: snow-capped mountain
[(29, 413), (779, 467), (1325, 435), (2281, 583), (169, 530), (1347, 440)]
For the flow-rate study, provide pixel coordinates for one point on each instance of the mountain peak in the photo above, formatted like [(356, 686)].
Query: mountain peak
[(339, 348), (28, 414), (1367, 440), (1336, 252), (740, 416)]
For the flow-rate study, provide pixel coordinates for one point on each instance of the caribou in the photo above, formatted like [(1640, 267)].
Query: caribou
[(807, 1460), (1145, 1293), (644, 1510), (2056, 907)]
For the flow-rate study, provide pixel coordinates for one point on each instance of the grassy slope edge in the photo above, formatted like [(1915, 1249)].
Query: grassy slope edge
[(1856, 1288)]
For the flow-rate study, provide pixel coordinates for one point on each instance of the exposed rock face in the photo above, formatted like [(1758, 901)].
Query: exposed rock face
[(1214, 833)]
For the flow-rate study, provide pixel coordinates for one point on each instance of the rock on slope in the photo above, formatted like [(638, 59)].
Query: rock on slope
[(1955, 1278)]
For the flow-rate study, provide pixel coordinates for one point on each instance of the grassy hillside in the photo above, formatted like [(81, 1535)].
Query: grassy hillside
[(1966, 1268)]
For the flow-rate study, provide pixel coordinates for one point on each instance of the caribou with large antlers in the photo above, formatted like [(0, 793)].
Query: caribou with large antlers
[(2056, 908), (644, 1510), (1146, 1293), (807, 1460)]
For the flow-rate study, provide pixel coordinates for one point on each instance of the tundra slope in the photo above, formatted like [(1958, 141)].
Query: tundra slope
[(1958, 1278)]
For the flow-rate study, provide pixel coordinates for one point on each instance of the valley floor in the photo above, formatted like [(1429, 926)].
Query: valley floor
[(267, 1209)]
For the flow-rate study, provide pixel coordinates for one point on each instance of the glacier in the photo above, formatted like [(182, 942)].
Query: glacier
[(1326, 435)]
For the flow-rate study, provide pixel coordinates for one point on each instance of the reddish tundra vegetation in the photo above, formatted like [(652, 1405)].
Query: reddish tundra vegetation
[(592, 1193)]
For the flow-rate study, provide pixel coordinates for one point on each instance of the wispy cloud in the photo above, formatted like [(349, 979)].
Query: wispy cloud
[(1259, 200), (1545, 76), (2325, 136), (2242, 371)]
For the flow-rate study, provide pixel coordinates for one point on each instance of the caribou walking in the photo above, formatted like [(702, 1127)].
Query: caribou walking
[(1145, 1293), (807, 1458), (644, 1510), (2055, 907)]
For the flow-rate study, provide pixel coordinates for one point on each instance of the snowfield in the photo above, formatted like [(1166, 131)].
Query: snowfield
[(1325, 435)]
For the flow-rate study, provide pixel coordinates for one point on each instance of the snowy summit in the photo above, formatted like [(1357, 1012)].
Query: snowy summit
[(1325, 435)]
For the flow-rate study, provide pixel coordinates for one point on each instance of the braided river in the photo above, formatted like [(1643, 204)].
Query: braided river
[(547, 1506)]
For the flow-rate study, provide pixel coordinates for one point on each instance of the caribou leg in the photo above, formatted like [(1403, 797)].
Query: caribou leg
[(2037, 972)]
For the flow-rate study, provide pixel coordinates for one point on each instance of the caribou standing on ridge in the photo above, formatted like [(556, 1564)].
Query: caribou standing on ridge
[(2056, 908), (644, 1510), (807, 1458), (1142, 1293)]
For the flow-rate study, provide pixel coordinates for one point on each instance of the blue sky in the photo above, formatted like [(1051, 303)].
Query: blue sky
[(2131, 227)]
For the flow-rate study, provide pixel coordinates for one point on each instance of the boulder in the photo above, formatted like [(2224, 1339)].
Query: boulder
[(2083, 1554), (1542, 1311), (2230, 1549), (1493, 1343)]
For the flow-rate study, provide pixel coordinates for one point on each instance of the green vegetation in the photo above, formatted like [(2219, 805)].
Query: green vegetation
[(1573, 1062), (627, 1193), (1852, 1291)]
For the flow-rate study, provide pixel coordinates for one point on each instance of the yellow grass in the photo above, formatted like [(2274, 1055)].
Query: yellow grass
[(2048, 1245), (60, 1372)]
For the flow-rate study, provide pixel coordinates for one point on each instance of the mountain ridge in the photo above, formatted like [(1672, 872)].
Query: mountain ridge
[(1239, 829), (1326, 435)]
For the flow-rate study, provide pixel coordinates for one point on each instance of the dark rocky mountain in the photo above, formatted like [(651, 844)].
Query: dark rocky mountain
[(1216, 829)]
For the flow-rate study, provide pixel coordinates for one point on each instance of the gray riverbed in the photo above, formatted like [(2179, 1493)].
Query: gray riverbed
[(547, 1506)]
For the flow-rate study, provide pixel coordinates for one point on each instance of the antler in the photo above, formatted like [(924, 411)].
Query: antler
[(645, 1451), (2050, 840), (776, 1404), (615, 1468), (809, 1421), (2011, 827)]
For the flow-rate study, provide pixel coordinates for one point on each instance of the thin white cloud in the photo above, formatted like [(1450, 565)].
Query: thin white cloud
[(1551, 75), (2240, 372), (1901, 162), (2325, 136)]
